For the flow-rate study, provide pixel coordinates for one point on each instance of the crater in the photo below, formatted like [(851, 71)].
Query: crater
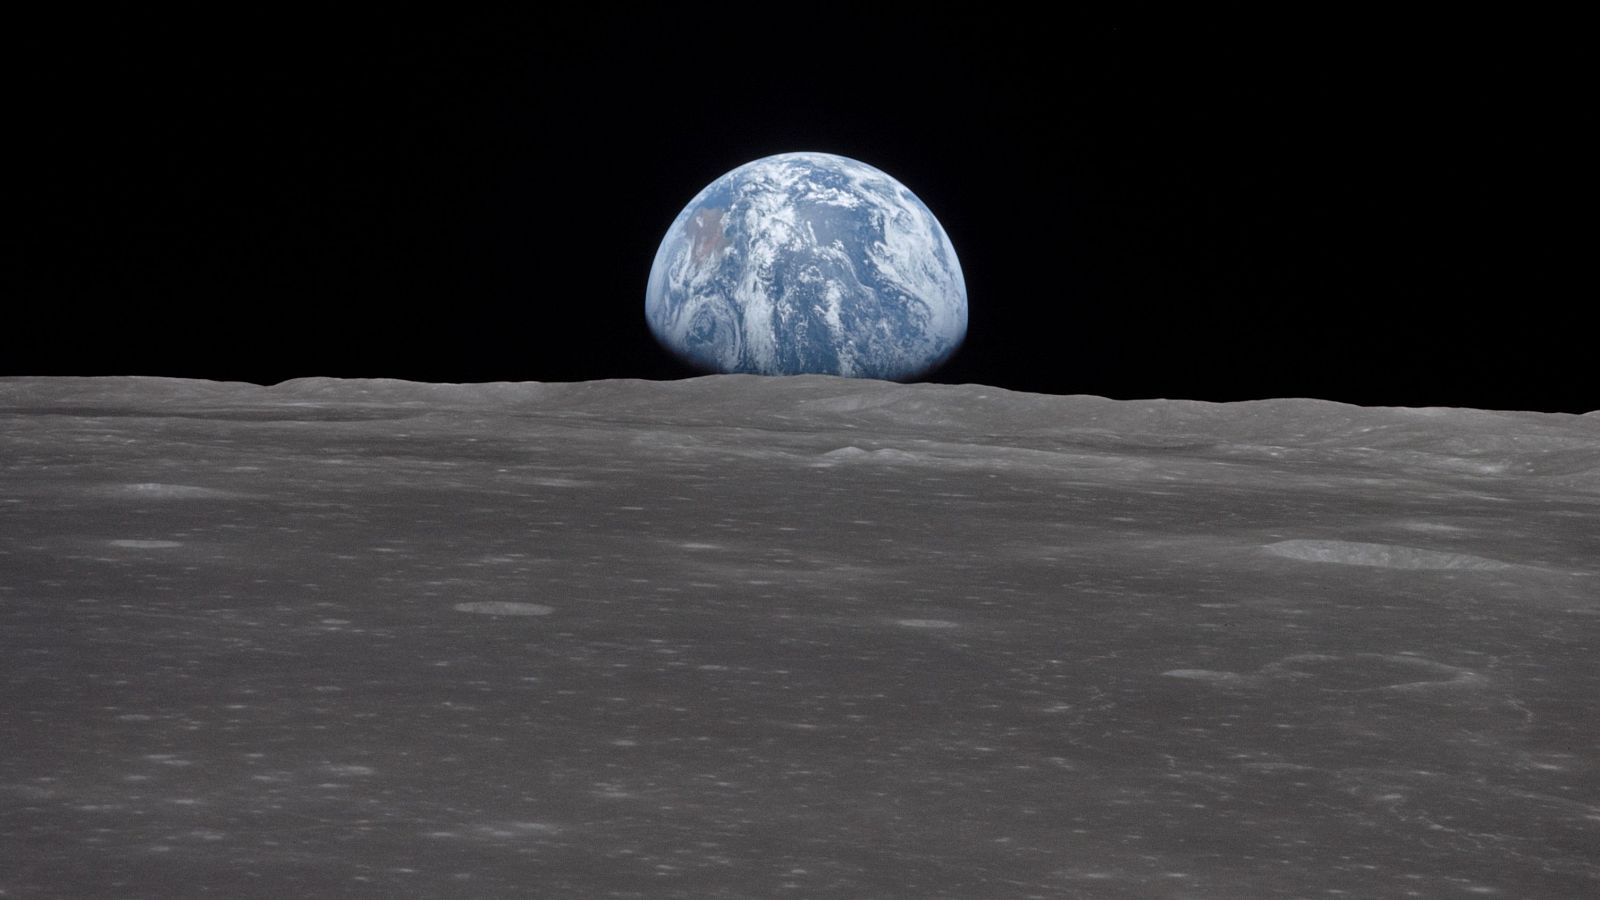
[(1206, 675), (1369, 672), (504, 608), (133, 544), (1385, 556), (1429, 526), (151, 490), (925, 623), (1347, 673)]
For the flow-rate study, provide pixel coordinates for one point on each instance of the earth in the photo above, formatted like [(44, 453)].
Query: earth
[(808, 263)]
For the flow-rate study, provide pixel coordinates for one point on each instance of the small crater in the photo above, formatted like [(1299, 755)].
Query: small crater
[(348, 769), (926, 623), (504, 608), (151, 490), (1429, 526), (1370, 671), (1387, 556), (556, 481), (1206, 675), (1358, 672), (514, 829), (133, 544)]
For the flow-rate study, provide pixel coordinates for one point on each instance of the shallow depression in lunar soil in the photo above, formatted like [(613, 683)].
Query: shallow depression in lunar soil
[(267, 642)]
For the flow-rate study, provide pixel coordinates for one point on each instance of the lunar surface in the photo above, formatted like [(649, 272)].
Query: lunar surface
[(739, 637)]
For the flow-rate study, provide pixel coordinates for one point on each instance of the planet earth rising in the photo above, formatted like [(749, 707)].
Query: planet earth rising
[(808, 263)]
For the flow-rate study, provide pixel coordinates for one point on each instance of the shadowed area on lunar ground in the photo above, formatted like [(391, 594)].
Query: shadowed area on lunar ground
[(745, 637)]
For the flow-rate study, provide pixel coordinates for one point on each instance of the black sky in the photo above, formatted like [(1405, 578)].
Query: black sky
[(1143, 208)]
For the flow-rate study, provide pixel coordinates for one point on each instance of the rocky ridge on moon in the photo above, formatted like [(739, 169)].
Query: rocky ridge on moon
[(740, 636)]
